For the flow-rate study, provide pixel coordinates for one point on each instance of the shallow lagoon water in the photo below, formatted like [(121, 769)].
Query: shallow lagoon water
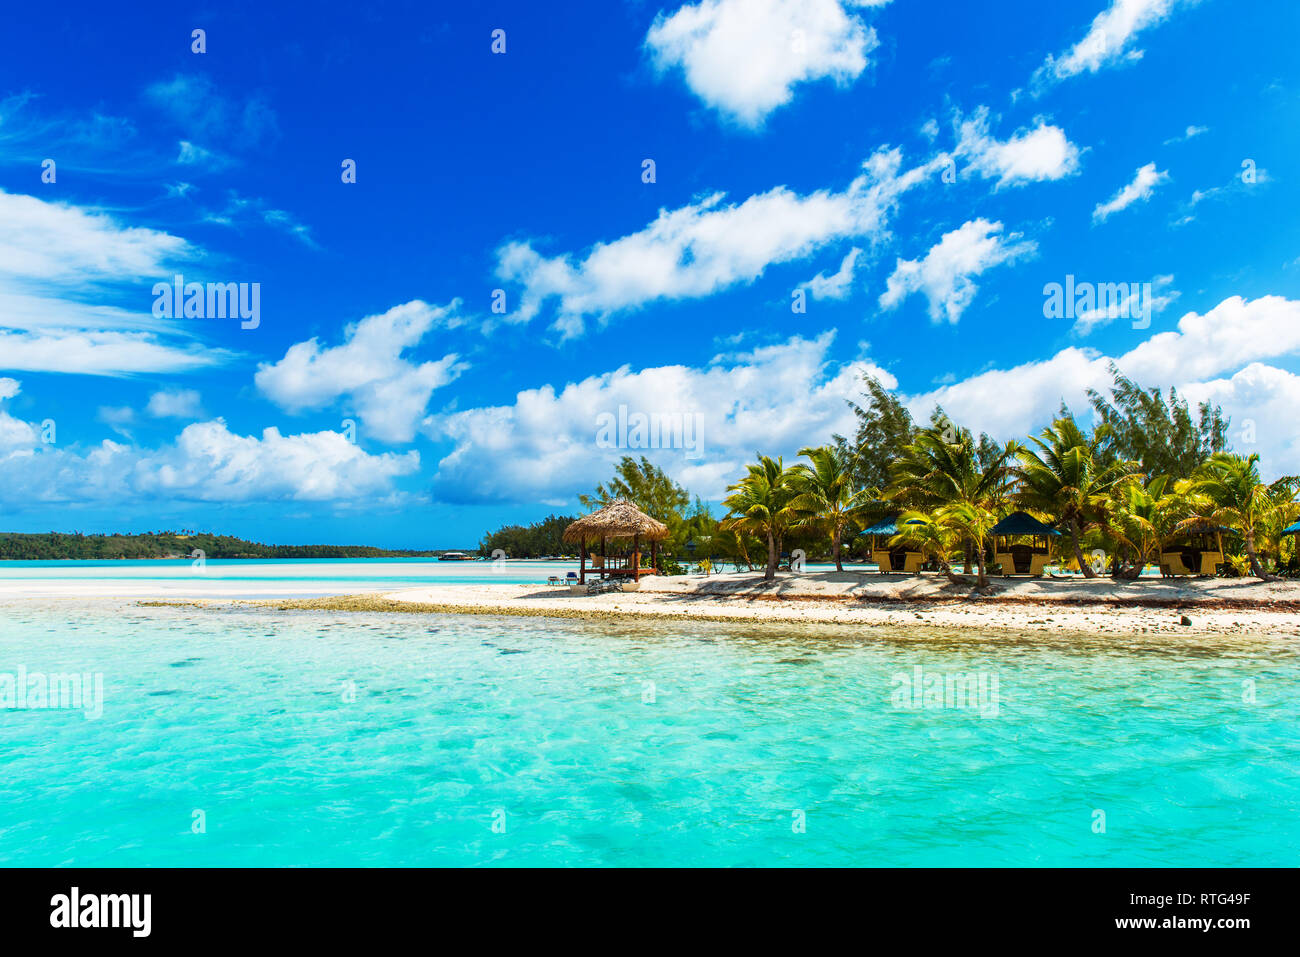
[(635, 744)]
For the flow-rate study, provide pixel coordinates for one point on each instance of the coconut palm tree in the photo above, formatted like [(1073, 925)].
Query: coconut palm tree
[(1064, 478), (1228, 491), (825, 495), (1141, 519), (938, 534), (946, 474), (760, 503)]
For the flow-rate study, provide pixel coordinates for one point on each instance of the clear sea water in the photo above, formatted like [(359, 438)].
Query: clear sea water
[(552, 731)]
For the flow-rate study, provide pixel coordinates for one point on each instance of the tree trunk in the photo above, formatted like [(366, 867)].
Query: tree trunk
[(982, 580), (1078, 552), (770, 573), (835, 549), (966, 567), (1255, 568)]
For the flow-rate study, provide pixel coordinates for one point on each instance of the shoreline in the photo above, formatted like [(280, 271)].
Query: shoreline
[(1024, 606), (1208, 606)]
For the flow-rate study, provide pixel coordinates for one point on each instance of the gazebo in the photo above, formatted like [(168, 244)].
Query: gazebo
[(1032, 557), (909, 561), (1292, 529), (620, 519)]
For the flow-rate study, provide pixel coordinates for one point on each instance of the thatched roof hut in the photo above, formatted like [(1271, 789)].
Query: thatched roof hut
[(619, 519)]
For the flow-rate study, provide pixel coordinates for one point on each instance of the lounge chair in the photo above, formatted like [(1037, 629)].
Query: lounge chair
[(912, 564), (1210, 562), (555, 580), (881, 557), (1173, 561)]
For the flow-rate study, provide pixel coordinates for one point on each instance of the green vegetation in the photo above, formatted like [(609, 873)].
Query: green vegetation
[(1152, 476), (530, 541), (56, 546)]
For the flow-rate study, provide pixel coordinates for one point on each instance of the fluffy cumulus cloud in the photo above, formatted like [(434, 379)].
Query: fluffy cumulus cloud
[(707, 246), (369, 373), (1028, 156), (744, 58), (14, 433), (1237, 334), (1110, 39), (945, 276), (548, 443), (65, 271), (1144, 184), (206, 463)]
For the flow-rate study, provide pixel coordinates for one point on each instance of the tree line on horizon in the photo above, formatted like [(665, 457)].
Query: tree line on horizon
[(61, 546)]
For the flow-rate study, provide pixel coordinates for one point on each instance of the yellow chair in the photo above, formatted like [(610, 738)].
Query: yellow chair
[(1036, 565), (1007, 562), (1209, 561), (912, 563), (881, 557), (1174, 562)]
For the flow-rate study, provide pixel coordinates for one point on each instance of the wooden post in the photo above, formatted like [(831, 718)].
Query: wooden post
[(582, 562), (654, 556), (604, 565), (636, 557)]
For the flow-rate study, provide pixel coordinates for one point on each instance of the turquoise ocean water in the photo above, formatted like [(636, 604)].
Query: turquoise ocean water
[(333, 739)]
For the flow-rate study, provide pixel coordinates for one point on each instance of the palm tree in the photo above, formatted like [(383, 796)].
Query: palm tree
[(937, 535), (1065, 479), (825, 495), (1229, 491), (1142, 517), (760, 503), (953, 480)]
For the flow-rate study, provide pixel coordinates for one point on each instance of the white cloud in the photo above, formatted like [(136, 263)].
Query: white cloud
[(1144, 183), (100, 353), (1109, 40), (175, 404), (1261, 400), (744, 57), (1009, 403), (944, 275), (543, 446), (42, 240), (369, 370), (702, 248), (836, 285), (14, 433), (1029, 156), (1130, 306), (63, 268), (1190, 133), (206, 463)]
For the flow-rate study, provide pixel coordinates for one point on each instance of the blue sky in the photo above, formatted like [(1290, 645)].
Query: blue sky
[(912, 173)]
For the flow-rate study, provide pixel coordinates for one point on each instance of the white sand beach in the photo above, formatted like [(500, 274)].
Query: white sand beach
[(1234, 606)]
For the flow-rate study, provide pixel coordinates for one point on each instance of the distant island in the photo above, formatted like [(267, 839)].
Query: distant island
[(59, 546)]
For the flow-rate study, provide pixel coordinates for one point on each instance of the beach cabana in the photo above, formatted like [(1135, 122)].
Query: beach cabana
[(1292, 529), (618, 522), (1198, 550), (1022, 559), (885, 559)]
